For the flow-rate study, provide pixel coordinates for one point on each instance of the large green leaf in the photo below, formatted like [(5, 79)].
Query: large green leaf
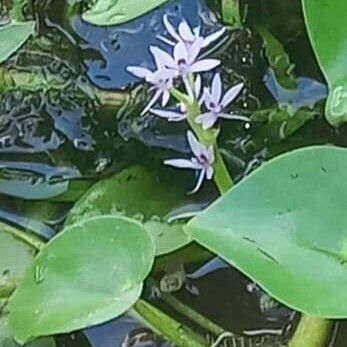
[(112, 12), (325, 22), (15, 257), (285, 227), (88, 274), (137, 193), (12, 36)]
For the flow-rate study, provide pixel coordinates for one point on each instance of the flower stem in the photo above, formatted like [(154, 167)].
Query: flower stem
[(312, 331), (172, 330)]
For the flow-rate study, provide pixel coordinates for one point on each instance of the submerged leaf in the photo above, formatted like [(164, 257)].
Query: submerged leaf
[(137, 193), (89, 273), (325, 21), (112, 12), (15, 257), (284, 226), (13, 36)]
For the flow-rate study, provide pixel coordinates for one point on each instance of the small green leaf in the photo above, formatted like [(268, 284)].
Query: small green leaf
[(112, 12), (325, 21), (13, 36), (285, 227), (89, 273), (137, 193)]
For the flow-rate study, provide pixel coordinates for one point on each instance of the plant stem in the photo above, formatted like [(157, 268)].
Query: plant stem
[(312, 331), (188, 312), (231, 12), (172, 330)]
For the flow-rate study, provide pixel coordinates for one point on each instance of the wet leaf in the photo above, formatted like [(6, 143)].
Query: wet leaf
[(137, 193), (15, 257), (112, 12), (88, 274), (284, 226), (328, 37), (13, 36)]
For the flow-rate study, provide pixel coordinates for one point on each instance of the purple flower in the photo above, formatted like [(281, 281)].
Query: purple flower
[(172, 116), (202, 161), (188, 35), (216, 103), (162, 81), (184, 60)]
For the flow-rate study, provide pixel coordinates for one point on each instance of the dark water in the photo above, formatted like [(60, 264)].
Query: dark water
[(56, 131)]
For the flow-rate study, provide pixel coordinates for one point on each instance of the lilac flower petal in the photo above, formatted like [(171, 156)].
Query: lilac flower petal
[(195, 49), (205, 65), (139, 71), (162, 59), (231, 94), (199, 182), (233, 117), (183, 164), (185, 32), (165, 98), (166, 40), (154, 99), (213, 37), (197, 86), (207, 120), (210, 154), (188, 86), (196, 147), (171, 116), (217, 88), (197, 31), (170, 28), (209, 173), (180, 52)]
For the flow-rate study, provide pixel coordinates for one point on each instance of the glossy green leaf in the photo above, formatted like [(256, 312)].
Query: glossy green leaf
[(13, 36), (86, 275), (325, 21), (285, 226), (137, 193), (112, 12), (15, 257)]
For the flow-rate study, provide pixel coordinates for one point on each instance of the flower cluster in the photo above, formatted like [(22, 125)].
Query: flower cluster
[(185, 61)]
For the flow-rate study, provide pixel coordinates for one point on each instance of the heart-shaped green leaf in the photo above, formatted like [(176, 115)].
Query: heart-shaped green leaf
[(12, 36), (112, 12), (285, 227), (137, 193), (89, 273), (325, 21)]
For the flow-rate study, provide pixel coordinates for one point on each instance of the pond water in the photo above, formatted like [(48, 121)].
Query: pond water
[(79, 122)]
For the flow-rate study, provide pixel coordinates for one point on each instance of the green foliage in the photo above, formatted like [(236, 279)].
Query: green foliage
[(112, 12), (15, 257), (278, 59), (284, 226), (137, 193), (325, 22), (91, 272), (13, 36)]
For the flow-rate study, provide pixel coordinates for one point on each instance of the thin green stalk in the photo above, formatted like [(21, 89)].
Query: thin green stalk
[(175, 332), (188, 312), (312, 331)]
